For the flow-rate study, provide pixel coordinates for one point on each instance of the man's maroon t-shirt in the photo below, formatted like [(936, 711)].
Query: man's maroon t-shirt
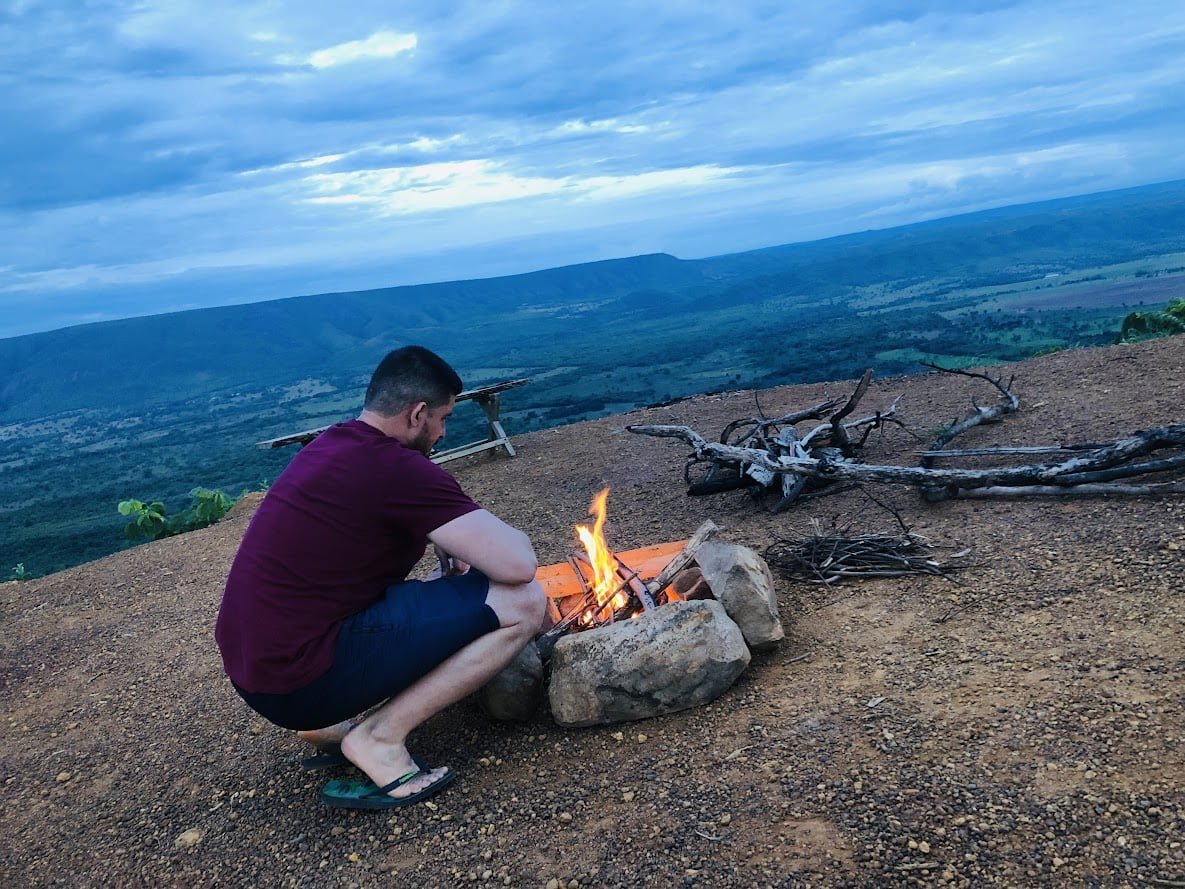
[(349, 517)]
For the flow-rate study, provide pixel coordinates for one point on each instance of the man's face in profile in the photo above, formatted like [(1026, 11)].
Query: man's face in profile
[(435, 421)]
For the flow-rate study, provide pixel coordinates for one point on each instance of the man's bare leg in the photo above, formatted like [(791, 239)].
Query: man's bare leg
[(323, 737), (377, 746)]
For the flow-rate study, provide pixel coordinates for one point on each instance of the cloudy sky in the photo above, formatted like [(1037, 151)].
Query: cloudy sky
[(170, 154)]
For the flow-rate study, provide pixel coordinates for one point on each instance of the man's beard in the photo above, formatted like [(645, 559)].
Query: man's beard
[(424, 442)]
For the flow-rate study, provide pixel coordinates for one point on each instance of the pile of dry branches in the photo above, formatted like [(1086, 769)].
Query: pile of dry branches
[(772, 454), (823, 557)]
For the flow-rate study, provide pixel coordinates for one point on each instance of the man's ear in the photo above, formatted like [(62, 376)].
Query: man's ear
[(417, 413)]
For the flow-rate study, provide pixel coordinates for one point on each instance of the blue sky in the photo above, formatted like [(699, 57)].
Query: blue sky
[(166, 155)]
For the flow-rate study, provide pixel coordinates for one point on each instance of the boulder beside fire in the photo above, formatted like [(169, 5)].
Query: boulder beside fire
[(680, 655), (741, 581)]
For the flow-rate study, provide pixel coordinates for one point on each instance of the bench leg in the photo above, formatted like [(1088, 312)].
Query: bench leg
[(490, 406), (497, 427)]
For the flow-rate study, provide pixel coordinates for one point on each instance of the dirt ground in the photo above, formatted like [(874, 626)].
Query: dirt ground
[(1034, 738)]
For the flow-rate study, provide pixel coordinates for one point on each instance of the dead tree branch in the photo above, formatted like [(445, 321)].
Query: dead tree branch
[(770, 454)]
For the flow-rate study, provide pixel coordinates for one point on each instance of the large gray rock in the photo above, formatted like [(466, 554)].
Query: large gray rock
[(514, 694), (674, 657), (742, 582)]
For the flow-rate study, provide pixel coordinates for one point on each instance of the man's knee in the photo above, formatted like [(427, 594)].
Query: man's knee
[(521, 604)]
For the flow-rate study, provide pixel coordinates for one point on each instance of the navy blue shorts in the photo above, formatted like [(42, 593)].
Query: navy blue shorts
[(384, 649)]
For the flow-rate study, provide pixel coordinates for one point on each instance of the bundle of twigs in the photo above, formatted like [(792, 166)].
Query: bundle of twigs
[(828, 557)]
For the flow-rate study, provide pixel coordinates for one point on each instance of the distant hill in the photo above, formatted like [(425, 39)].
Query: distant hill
[(163, 358)]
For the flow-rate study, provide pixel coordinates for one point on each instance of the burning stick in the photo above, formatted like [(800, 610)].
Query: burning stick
[(575, 561), (681, 561), (637, 587)]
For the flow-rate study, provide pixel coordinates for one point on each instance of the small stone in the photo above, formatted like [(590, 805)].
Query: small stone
[(619, 736), (553, 883), (353, 858), (257, 729), (641, 739), (913, 844), (628, 796), (188, 839), (725, 819), (336, 830), (63, 777), (486, 874), (924, 847), (1058, 862), (566, 817), (573, 884)]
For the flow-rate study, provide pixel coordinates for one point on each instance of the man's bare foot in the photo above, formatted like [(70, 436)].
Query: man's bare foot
[(384, 763), (323, 737)]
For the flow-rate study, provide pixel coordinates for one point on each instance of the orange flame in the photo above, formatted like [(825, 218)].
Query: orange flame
[(606, 584)]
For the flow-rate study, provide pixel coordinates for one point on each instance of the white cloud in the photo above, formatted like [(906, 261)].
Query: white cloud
[(423, 143), (445, 186), (427, 187), (303, 164), (609, 125), (379, 45)]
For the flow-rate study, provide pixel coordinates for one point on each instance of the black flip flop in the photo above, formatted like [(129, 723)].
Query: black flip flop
[(362, 793), (326, 757)]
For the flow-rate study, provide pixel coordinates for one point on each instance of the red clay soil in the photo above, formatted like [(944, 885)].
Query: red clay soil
[(1035, 738)]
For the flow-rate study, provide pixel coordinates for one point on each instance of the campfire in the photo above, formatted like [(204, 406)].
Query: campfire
[(640, 633), (596, 586)]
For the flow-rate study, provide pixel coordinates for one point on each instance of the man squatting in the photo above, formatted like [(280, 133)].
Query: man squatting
[(318, 620)]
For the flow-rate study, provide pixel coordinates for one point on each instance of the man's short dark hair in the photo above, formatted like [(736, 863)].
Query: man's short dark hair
[(410, 375)]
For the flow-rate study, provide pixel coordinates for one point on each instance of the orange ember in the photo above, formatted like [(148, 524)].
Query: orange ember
[(606, 583)]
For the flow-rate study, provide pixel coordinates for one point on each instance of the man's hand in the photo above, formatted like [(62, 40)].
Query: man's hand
[(481, 539), (448, 567)]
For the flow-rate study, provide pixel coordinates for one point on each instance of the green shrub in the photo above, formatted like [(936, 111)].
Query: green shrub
[(149, 521), (1139, 326)]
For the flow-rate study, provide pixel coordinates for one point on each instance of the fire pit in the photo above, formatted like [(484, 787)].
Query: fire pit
[(597, 587), (644, 632)]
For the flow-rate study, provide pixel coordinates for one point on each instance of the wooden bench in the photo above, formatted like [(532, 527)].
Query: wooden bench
[(487, 398)]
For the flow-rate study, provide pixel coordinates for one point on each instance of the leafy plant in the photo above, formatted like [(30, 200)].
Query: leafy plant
[(19, 572), (149, 521), (208, 507), (1139, 326)]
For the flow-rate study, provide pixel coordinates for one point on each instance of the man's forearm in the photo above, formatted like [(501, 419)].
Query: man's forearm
[(502, 553)]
